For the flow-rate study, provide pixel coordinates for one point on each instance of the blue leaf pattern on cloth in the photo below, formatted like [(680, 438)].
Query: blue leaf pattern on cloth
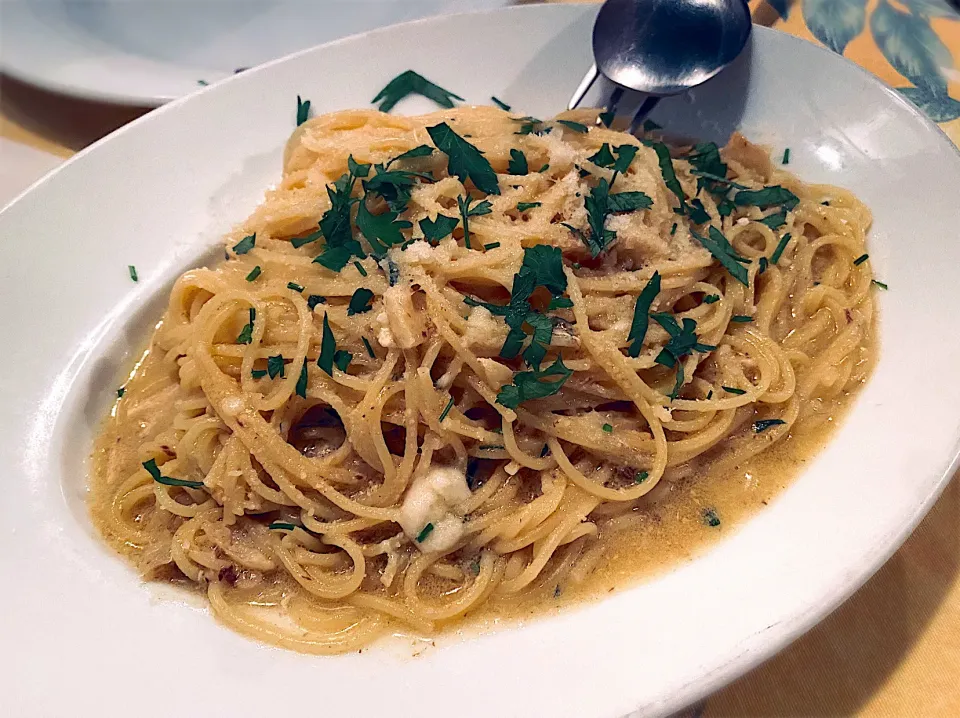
[(835, 22), (911, 47), (938, 108), (932, 8), (781, 6)]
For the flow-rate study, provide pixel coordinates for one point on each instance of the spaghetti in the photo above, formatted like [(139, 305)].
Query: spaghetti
[(451, 358)]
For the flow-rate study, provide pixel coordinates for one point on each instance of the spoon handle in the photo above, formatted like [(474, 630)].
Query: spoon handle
[(583, 88)]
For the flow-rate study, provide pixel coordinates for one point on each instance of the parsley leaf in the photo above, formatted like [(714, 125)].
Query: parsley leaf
[(501, 104), (133, 272), (342, 359), (778, 252), (314, 299), (412, 83), (246, 336), (298, 242), (518, 163), (446, 410), (741, 319), (606, 118), (698, 213), (721, 250), (668, 172), (528, 385), (733, 390), (603, 157), (295, 287), (275, 366), (524, 206), (424, 533), (418, 151), (466, 211), (764, 424), (360, 302), (597, 204), (861, 259), (559, 303), (328, 347), (542, 334), (463, 159), (711, 298), (394, 185), (436, 229), (776, 220), (366, 344), (382, 231), (641, 312), (683, 340), (302, 381), (705, 158), (254, 273), (335, 226), (154, 471), (245, 244), (303, 110), (625, 155), (629, 201), (358, 169), (575, 126), (766, 197)]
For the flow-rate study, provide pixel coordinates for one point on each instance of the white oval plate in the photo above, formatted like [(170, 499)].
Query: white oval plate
[(147, 52), (85, 637)]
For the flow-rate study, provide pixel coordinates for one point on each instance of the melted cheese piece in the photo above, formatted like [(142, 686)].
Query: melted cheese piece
[(430, 500)]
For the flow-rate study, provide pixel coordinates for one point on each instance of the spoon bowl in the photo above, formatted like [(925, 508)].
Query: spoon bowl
[(663, 47)]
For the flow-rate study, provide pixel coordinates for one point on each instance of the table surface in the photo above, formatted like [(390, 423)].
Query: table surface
[(893, 649)]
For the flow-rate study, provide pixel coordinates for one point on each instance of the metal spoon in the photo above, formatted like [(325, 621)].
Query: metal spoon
[(663, 47)]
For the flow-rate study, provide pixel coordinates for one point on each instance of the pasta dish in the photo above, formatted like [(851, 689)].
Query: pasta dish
[(452, 360)]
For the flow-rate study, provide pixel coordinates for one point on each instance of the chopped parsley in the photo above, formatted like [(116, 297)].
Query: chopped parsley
[(363, 272), (545, 167), (466, 211), (463, 159), (698, 213), (302, 381), (534, 384), (491, 245), (781, 245), (640, 477), (711, 298), (446, 410), (436, 229), (121, 391), (245, 244), (412, 83), (641, 315), (733, 390), (673, 229), (133, 272), (424, 533), (764, 424), (501, 104), (283, 526), (258, 373), (360, 302), (861, 259), (786, 156), (246, 335), (597, 204), (762, 263), (335, 226), (723, 252), (559, 303), (524, 206), (575, 126), (630, 202), (382, 231), (314, 299), (154, 471), (766, 197), (366, 344), (530, 125), (603, 157), (606, 118), (342, 359), (683, 341), (668, 172), (705, 159), (298, 242), (254, 273), (651, 126), (418, 151), (518, 163), (741, 318), (776, 220), (879, 284), (275, 366), (328, 347), (710, 518), (303, 110), (295, 287), (607, 428)]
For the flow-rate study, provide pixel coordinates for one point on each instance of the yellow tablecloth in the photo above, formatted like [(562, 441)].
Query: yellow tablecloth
[(894, 648)]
